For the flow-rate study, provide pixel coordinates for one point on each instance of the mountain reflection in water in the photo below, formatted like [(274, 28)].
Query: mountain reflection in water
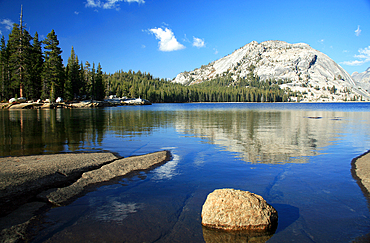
[(270, 136), (263, 137)]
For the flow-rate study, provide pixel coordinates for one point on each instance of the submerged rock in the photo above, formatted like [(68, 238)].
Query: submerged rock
[(17, 226), (230, 209)]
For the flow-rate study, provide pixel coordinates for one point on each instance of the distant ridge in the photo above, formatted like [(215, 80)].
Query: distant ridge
[(362, 79), (301, 67)]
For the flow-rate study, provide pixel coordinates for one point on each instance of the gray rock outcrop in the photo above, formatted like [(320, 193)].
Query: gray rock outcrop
[(23, 177), (230, 209), (107, 172), (300, 67), (361, 171)]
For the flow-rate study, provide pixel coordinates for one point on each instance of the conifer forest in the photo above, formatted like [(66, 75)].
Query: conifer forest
[(34, 69)]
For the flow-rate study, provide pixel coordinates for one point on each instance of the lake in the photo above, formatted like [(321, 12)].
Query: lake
[(297, 156)]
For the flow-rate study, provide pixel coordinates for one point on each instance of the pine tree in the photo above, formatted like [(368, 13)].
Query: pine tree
[(37, 61), (73, 77), (19, 50), (87, 75), (92, 82), (53, 71), (99, 85), (82, 80), (4, 81), (68, 92), (19, 57)]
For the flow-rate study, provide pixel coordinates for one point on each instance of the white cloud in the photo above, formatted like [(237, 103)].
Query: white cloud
[(364, 56), (358, 31), (167, 40), (364, 53), (198, 42), (8, 23), (109, 4), (185, 39), (353, 63), (93, 4), (132, 1), (77, 12)]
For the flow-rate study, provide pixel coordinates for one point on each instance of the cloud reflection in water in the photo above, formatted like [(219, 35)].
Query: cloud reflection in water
[(116, 211), (168, 170)]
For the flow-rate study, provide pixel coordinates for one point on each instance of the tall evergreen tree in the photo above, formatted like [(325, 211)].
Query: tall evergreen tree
[(68, 92), (99, 84), (19, 50), (4, 81), (91, 83), (37, 61), (82, 80), (73, 78), (87, 75), (53, 71)]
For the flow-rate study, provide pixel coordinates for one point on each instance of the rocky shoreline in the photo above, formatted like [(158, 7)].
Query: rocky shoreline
[(70, 105), (31, 185), (24, 177), (360, 170)]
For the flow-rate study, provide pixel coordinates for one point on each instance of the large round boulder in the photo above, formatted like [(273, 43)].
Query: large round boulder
[(230, 209)]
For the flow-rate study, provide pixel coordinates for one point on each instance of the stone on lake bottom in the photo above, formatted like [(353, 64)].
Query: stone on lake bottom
[(230, 209)]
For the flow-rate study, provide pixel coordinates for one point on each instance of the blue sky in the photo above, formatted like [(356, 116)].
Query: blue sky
[(165, 38)]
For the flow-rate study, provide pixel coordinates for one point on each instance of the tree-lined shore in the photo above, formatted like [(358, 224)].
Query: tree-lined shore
[(34, 69)]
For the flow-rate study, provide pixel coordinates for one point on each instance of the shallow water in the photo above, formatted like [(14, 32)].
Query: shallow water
[(297, 156)]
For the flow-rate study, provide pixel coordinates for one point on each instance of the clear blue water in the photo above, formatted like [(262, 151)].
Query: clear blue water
[(297, 156)]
